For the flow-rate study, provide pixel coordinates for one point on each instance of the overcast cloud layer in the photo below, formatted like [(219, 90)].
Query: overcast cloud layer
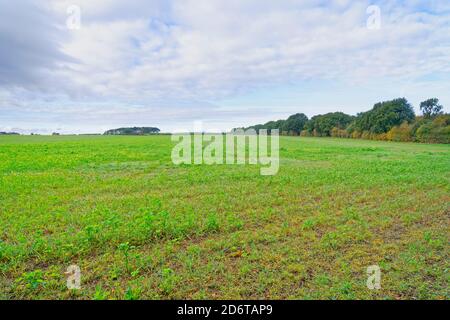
[(226, 62)]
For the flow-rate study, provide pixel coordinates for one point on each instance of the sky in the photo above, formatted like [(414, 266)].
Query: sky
[(85, 66)]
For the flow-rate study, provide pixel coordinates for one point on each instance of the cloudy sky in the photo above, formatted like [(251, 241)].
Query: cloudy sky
[(226, 63)]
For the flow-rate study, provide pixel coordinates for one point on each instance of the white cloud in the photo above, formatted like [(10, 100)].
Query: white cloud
[(145, 53), (217, 48)]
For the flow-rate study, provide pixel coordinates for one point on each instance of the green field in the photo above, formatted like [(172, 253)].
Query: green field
[(140, 227)]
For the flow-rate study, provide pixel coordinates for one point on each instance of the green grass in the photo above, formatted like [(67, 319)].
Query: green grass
[(140, 227)]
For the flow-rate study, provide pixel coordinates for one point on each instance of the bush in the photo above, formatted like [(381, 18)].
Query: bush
[(401, 133), (437, 131), (365, 135), (305, 133), (356, 134), (339, 133), (380, 137), (442, 120)]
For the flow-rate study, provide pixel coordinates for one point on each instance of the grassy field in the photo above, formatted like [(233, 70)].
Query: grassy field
[(140, 227)]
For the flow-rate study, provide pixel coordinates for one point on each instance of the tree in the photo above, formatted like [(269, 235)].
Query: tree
[(384, 116), (295, 123), (271, 125), (431, 108), (133, 131), (322, 125), (435, 131), (388, 120)]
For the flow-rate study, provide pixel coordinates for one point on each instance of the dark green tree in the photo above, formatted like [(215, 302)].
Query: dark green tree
[(295, 123), (133, 131), (384, 116), (322, 125), (431, 108)]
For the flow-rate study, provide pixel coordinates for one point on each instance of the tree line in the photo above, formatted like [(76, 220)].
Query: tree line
[(393, 120), (8, 133), (133, 131)]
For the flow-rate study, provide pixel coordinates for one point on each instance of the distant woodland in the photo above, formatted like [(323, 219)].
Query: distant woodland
[(393, 120)]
